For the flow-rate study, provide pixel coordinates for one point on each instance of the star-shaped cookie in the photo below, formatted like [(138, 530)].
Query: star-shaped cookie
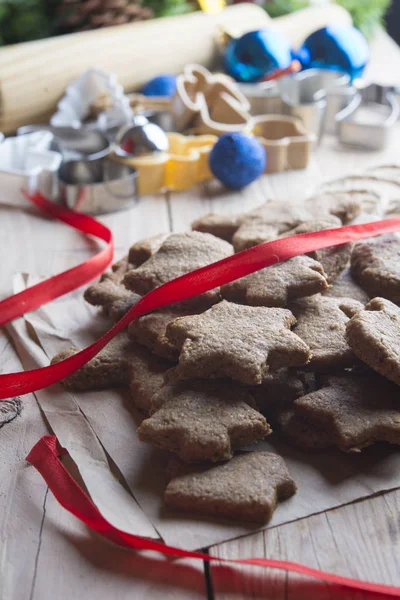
[(203, 420), (243, 343), (374, 336), (248, 487), (349, 411), (375, 266), (321, 324)]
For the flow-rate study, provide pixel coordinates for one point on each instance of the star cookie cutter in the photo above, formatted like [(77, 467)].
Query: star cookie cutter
[(27, 163), (287, 143), (369, 120), (185, 165), (209, 104)]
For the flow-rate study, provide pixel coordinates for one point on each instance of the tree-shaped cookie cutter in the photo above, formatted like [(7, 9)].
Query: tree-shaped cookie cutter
[(286, 141), (209, 104)]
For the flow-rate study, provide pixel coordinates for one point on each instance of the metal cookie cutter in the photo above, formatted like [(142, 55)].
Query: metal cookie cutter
[(27, 163), (310, 95), (368, 120), (97, 186), (72, 142)]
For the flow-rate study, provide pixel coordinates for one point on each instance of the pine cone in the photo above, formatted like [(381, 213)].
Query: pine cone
[(82, 15)]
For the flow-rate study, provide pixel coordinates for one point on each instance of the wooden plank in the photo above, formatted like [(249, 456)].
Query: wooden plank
[(360, 540)]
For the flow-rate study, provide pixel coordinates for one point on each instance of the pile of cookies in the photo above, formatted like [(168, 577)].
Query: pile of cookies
[(309, 347)]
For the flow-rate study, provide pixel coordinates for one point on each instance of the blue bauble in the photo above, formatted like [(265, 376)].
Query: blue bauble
[(255, 54), (237, 159), (340, 47), (163, 85)]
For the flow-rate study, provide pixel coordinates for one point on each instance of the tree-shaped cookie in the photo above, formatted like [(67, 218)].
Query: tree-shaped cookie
[(374, 336), (349, 411), (244, 343), (248, 487), (321, 324), (201, 420)]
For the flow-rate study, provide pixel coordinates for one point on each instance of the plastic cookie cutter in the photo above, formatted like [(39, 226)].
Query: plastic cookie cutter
[(185, 165), (310, 95), (27, 163), (209, 104), (97, 186), (369, 119), (287, 143)]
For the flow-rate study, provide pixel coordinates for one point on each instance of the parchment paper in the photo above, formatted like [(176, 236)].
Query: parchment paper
[(325, 480)]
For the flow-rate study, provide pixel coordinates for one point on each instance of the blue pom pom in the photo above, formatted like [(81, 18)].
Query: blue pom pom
[(237, 159), (163, 85)]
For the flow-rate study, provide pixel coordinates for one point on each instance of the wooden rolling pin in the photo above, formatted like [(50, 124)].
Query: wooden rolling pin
[(34, 75)]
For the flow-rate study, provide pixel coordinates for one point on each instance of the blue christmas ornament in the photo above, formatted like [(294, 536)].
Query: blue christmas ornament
[(163, 85), (255, 54), (339, 47), (237, 159)]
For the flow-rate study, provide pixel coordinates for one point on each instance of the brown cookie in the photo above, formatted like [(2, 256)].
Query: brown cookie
[(345, 287), (143, 249), (321, 324), (244, 343), (279, 284), (146, 377), (179, 254), (374, 336), (222, 226), (109, 368), (376, 267), (248, 487), (277, 392), (349, 412), (150, 329), (201, 420), (110, 293), (346, 205), (335, 259)]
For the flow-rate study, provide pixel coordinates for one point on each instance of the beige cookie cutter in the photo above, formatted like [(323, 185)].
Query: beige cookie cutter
[(286, 141), (209, 104)]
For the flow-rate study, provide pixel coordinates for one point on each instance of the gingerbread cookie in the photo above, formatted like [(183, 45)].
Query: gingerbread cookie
[(277, 285), (146, 377), (345, 205), (109, 368), (222, 226), (248, 487), (201, 420), (334, 259), (244, 343), (179, 254), (143, 249), (110, 293), (374, 336), (321, 324), (375, 266), (278, 391), (349, 411), (150, 330), (345, 287)]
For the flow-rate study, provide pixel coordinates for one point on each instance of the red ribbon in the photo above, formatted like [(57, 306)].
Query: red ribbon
[(44, 456)]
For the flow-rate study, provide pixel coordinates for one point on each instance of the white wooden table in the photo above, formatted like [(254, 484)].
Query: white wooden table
[(47, 554)]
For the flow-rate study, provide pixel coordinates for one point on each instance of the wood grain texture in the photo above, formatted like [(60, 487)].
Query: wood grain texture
[(360, 540)]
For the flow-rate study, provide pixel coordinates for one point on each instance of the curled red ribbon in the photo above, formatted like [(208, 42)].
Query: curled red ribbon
[(45, 454)]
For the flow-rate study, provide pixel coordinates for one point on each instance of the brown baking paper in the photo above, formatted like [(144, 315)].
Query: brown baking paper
[(325, 480)]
